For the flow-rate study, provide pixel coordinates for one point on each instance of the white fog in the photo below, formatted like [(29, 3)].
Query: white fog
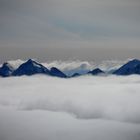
[(84, 108)]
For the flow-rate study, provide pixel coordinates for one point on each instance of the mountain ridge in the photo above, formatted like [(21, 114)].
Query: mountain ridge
[(31, 67)]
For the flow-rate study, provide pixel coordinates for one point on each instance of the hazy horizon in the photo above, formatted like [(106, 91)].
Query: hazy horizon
[(69, 29)]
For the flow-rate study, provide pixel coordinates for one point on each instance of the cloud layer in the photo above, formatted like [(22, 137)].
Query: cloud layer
[(87, 97)]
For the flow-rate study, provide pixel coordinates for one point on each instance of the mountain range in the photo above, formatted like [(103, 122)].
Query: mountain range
[(31, 67)]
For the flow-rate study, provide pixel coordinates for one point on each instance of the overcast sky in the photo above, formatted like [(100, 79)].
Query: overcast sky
[(69, 29)]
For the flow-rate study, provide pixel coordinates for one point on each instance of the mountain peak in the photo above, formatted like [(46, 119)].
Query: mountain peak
[(131, 67), (6, 69), (30, 61), (56, 72), (95, 71), (31, 67), (134, 61)]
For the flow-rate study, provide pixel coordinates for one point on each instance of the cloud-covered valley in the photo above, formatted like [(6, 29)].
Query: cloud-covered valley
[(87, 97), (41, 107)]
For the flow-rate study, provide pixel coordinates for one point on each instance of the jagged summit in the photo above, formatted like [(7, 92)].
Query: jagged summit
[(30, 67), (131, 67)]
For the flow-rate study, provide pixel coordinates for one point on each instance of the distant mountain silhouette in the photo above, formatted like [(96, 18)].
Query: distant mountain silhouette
[(6, 70), (131, 67), (76, 75), (56, 72), (96, 71), (31, 67)]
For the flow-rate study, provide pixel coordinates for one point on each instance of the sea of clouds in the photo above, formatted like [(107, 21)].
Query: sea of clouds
[(87, 97), (42, 107)]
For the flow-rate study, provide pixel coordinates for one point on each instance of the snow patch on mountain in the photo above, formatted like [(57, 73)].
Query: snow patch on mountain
[(71, 67)]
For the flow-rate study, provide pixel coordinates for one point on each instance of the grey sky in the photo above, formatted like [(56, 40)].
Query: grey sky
[(67, 29)]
